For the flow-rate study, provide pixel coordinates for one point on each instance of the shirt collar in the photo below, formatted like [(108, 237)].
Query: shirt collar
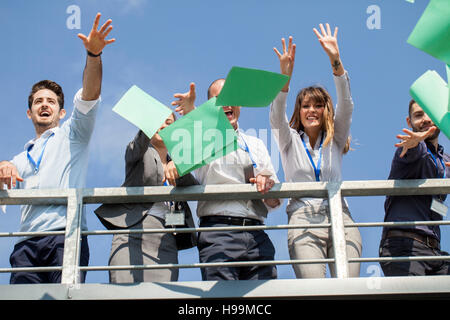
[(45, 135), (439, 151), (305, 136)]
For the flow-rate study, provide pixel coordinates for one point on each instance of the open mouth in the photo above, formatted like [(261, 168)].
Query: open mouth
[(229, 114), (44, 114)]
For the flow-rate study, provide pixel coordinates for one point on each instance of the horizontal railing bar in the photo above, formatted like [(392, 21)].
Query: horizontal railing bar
[(30, 269), (399, 259), (233, 228), (227, 192), (395, 187), (203, 265), (239, 228), (205, 229), (34, 196), (263, 227), (397, 223), (228, 264), (260, 263), (31, 234)]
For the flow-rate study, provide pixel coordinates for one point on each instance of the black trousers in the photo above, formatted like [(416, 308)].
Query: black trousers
[(45, 251), (233, 246), (403, 247)]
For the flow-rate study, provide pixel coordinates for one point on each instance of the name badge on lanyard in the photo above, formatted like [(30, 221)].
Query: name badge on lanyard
[(437, 205), (176, 215), (317, 168)]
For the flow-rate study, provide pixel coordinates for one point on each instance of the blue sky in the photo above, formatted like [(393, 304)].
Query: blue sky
[(162, 46)]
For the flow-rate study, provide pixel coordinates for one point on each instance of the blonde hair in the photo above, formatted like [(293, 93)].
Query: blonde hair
[(320, 96)]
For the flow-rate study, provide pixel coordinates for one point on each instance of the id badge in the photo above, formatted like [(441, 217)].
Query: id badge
[(439, 207), (175, 217)]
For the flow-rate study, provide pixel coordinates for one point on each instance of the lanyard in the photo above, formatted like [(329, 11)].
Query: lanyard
[(38, 163), (170, 204), (316, 169), (246, 149), (435, 162)]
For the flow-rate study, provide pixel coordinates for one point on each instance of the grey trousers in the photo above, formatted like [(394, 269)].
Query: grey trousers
[(317, 243), (144, 249)]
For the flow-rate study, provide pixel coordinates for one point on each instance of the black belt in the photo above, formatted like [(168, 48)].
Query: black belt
[(429, 241), (235, 221)]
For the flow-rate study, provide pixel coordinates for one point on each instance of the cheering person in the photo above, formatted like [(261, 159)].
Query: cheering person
[(312, 145)]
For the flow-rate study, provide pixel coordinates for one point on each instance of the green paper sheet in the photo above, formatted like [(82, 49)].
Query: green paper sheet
[(432, 32), (250, 87), (199, 137), (144, 111), (431, 92)]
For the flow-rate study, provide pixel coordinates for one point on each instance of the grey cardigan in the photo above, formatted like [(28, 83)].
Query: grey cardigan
[(143, 167)]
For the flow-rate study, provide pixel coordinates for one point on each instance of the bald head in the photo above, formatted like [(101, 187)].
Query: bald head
[(231, 112), (215, 87)]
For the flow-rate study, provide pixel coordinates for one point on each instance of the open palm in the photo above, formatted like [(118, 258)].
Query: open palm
[(96, 40), (328, 40)]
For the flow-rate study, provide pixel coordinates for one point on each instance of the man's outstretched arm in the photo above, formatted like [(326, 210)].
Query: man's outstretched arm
[(94, 43)]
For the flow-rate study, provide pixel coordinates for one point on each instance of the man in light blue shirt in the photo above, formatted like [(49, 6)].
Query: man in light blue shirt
[(56, 158)]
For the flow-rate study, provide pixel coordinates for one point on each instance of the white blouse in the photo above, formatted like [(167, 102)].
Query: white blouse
[(296, 163)]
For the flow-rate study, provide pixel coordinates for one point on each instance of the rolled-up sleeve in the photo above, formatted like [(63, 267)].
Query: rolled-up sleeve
[(82, 105)]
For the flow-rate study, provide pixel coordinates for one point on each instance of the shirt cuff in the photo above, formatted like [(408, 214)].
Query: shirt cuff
[(264, 172), (82, 105)]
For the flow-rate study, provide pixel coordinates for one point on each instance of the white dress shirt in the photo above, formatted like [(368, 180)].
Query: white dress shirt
[(230, 170)]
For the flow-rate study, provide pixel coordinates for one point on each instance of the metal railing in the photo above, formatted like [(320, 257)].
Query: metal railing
[(76, 198)]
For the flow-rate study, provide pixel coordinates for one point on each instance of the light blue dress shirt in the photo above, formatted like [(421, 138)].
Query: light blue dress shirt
[(63, 165)]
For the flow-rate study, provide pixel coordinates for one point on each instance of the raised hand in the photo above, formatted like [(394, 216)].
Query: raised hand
[(329, 43), (287, 59), (96, 40), (412, 139), (185, 102)]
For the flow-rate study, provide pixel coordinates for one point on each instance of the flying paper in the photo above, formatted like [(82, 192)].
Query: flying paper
[(432, 93), (250, 87), (144, 111), (432, 32), (199, 137)]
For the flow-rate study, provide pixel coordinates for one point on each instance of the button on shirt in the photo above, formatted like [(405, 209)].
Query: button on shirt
[(63, 165), (295, 160), (417, 163), (230, 170)]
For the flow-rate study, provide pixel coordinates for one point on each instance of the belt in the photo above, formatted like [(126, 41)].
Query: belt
[(236, 221), (429, 241)]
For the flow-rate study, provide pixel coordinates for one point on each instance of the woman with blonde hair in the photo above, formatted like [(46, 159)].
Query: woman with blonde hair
[(312, 145)]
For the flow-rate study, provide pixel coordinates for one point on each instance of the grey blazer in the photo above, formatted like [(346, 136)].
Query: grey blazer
[(143, 167)]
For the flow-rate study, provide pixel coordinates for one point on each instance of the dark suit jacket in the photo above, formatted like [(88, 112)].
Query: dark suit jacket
[(143, 167)]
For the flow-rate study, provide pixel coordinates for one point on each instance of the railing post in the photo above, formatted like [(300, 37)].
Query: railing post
[(337, 229), (70, 268)]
